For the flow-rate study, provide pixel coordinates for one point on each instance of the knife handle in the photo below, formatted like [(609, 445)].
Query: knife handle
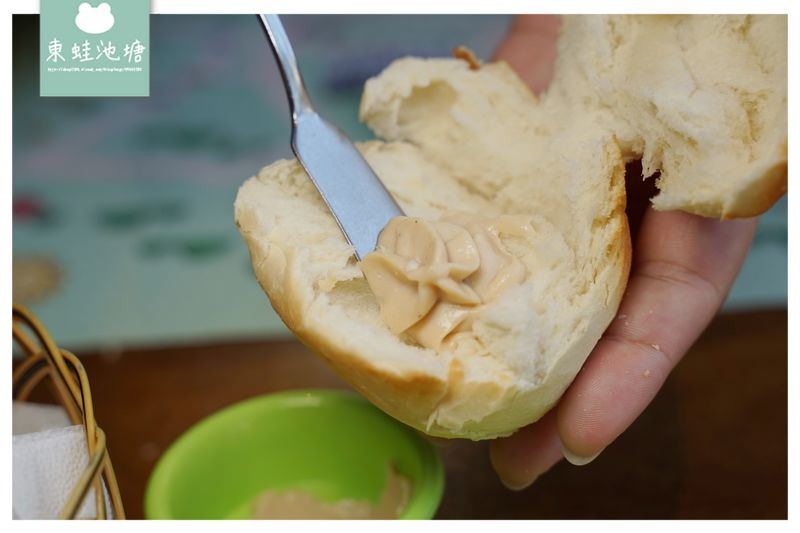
[(299, 102)]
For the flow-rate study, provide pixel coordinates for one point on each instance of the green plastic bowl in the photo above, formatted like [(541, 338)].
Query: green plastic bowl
[(333, 444)]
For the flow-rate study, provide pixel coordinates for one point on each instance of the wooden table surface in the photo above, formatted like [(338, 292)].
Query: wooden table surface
[(713, 444)]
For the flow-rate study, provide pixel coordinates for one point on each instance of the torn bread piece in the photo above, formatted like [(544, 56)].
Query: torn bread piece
[(476, 142)]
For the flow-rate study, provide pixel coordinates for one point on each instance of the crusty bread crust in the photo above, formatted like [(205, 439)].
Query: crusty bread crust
[(765, 189)]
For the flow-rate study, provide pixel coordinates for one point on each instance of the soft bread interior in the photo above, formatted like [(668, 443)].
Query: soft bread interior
[(477, 141), (700, 99), (458, 140)]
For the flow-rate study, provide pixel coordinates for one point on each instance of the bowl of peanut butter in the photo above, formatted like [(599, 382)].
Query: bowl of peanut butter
[(302, 454)]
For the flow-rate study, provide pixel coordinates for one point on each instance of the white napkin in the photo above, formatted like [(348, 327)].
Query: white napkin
[(48, 459), (29, 417)]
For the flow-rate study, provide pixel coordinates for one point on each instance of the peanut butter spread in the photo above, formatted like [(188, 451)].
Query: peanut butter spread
[(298, 504), (432, 278)]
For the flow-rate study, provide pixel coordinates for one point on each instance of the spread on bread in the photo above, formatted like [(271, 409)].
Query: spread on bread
[(431, 278)]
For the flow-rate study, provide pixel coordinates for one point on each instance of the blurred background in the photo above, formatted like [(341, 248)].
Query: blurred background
[(124, 245), (123, 227)]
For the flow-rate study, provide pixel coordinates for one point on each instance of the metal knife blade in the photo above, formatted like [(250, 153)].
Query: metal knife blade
[(352, 191)]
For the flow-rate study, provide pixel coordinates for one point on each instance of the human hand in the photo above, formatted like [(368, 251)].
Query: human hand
[(682, 269)]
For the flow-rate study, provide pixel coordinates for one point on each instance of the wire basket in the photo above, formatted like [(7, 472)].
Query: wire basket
[(71, 386)]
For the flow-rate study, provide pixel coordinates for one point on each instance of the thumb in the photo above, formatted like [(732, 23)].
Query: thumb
[(530, 49)]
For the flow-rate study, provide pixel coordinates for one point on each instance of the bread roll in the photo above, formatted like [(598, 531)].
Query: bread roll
[(477, 141)]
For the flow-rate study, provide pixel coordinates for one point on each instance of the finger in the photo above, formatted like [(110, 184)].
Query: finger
[(530, 49), (682, 271), (527, 454)]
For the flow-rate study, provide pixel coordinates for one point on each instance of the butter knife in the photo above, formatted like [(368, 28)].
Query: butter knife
[(355, 196)]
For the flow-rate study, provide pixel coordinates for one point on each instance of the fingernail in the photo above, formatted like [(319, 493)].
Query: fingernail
[(516, 486), (514, 478), (578, 460)]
